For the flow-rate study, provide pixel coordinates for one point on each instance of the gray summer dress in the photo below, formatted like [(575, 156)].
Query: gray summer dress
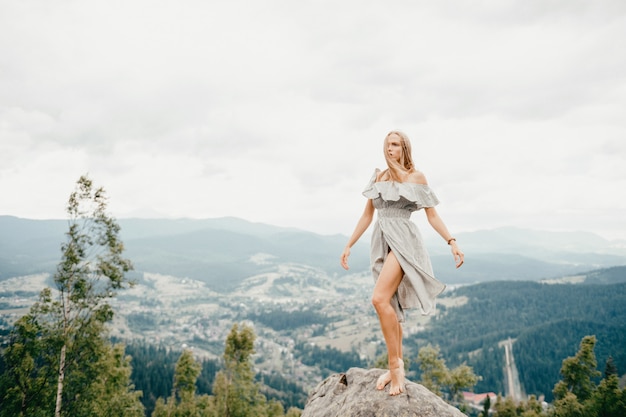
[(394, 231)]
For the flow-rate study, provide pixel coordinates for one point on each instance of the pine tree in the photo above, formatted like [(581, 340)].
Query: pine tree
[(609, 368), (505, 407), (185, 377), (531, 408), (568, 406), (577, 385), (235, 390), (58, 360), (486, 407), (577, 395), (112, 394), (578, 372), (608, 400), (27, 386), (184, 402)]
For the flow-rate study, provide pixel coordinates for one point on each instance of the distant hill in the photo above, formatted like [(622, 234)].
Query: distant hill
[(546, 245), (613, 275), (221, 252)]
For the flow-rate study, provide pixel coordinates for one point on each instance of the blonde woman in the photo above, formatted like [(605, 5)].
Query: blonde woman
[(400, 264)]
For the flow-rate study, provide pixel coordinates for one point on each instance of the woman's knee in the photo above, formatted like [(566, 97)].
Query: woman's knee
[(379, 301)]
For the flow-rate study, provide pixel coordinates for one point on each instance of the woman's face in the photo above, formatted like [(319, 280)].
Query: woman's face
[(394, 147)]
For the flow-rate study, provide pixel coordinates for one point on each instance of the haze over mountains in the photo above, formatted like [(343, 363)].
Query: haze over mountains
[(223, 252)]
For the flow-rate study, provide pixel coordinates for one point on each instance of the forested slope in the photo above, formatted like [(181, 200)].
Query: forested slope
[(548, 322), (153, 370)]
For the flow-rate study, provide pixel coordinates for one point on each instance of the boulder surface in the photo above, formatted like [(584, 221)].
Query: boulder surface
[(354, 394)]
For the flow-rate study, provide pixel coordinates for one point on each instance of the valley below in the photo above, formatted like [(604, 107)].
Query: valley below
[(306, 306)]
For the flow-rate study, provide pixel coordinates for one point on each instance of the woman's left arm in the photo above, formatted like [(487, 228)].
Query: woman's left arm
[(437, 223)]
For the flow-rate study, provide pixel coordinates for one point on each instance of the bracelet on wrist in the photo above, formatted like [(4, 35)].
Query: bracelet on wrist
[(451, 239)]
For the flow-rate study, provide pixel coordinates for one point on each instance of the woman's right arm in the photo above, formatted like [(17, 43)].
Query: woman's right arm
[(361, 227)]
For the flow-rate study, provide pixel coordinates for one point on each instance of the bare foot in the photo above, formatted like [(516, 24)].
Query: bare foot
[(397, 379), (383, 380)]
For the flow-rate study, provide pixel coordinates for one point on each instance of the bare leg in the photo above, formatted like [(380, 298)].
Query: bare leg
[(386, 286), (385, 378)]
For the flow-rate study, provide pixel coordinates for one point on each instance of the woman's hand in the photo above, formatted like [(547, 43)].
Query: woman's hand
[(459, 257), (344, 258)]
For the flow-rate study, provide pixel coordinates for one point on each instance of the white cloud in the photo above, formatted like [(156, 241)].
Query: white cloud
[(275, 111)]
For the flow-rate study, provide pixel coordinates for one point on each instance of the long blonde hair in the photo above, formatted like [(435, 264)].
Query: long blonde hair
[(398, 170)]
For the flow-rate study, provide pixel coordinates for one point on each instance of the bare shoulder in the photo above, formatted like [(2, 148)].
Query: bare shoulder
[(416, 177)]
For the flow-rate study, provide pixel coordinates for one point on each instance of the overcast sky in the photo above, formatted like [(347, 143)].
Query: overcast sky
[(275, 111)]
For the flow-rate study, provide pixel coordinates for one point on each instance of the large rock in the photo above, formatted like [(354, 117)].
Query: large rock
[(354, 394)]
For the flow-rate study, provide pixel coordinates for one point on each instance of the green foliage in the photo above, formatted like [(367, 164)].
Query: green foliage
[(275, 386), (461, 377), (187, 372), (498, 310), (578, 372), (539, 358), (612, 275), (58, 360), (505, 407), (293, 412), (486, 407), (183, 402), (486, 362), (238, 349), (608, 400), (279, 319), (329, 360), (568, 406), (528, 311), (153, 372), (436, 376), (577, 394), (27, 385), (112, 394), (236, 392), (382, 362), (434, 372), (609, 367)]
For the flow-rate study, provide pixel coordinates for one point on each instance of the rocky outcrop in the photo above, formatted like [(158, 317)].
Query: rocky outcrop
[(354, 394)]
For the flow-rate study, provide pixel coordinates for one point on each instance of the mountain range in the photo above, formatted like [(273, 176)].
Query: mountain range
[(223, 252)]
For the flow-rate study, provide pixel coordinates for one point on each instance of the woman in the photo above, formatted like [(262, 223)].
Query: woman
[(400, 264)]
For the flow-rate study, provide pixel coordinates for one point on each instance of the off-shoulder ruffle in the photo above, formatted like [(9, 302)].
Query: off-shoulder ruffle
[(420, 194)]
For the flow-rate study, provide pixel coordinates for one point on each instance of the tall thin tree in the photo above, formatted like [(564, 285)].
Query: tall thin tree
[(91, 269)]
